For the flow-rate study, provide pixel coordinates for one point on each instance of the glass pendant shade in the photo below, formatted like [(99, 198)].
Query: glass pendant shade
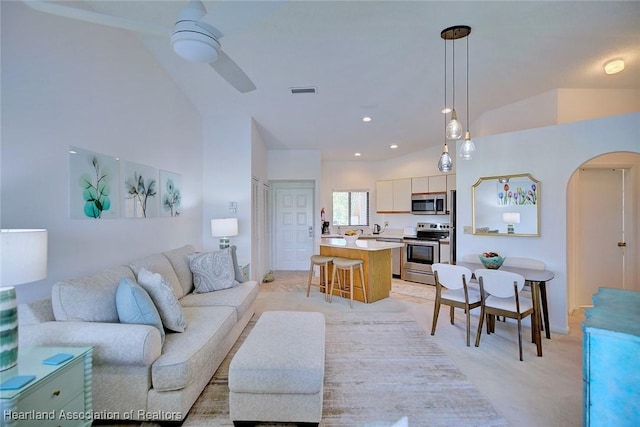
[(445, 163), (454, 127), (468, 147)]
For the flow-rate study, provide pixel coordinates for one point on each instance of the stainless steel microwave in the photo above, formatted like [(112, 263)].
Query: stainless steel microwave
[(429, 203)]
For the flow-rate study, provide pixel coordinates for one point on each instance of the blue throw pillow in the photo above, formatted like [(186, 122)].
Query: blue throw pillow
[(134, 305)]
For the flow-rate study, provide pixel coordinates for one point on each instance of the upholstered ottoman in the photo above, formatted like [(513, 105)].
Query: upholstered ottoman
[(278, 372)]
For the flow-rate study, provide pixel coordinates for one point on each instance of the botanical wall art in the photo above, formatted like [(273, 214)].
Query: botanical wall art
[(170, 193), (140, 190), (93, 185)]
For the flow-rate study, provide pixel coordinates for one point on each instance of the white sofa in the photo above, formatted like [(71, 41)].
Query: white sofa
[(134, 374)]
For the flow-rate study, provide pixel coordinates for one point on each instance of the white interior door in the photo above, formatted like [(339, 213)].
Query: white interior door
[(601, 260), (294, 229)]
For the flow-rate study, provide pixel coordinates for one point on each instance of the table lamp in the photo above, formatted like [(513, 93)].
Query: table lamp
[(511, 218), (224, 228), (23, 255)]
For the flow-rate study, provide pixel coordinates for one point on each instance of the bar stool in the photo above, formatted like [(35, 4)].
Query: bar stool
[(341, 266), (322, 262)]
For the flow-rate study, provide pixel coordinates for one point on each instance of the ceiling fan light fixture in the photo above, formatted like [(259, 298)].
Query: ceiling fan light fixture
[(195, 46)]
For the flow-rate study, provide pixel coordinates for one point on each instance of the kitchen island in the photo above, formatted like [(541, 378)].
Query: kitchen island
[(376, 257)]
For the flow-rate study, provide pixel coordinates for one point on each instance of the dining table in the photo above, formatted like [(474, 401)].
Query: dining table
[(537, 280)]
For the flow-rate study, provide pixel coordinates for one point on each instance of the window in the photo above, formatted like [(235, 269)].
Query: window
[(351, 208)]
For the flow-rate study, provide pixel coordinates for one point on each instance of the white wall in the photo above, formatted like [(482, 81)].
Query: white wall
[(558, 106), (551, 154), (69, 83), (227, 145)]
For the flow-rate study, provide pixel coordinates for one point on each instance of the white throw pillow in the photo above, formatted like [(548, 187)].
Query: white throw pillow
[(164, 298), (212, 271)]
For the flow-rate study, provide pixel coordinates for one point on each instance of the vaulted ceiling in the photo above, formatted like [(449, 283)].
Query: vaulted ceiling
[(385, 59)]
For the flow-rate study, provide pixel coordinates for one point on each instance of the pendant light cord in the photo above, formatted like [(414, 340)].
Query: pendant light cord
[(445, 92), (468, 118), (453, 71)]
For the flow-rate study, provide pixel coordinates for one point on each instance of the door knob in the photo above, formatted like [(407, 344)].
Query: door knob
[(310, 231), (622, 244)]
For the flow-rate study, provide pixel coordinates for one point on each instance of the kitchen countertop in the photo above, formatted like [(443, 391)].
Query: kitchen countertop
[(360, 244)]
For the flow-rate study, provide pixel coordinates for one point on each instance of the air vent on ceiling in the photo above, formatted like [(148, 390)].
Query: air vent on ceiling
[(297, 90)]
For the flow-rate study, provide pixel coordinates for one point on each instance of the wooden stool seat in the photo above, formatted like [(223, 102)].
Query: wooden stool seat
[(342, 265), (323, 262)]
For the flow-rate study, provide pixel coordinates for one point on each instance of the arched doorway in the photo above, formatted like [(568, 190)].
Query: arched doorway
[(603, 206)]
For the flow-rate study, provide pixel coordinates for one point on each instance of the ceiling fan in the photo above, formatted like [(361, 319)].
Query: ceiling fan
[(191, 38)]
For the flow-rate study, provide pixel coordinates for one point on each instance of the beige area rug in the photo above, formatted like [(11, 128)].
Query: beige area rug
[(379, 366), (289, 281)]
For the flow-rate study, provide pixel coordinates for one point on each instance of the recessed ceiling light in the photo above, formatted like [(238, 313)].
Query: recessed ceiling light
[(445, 110), (366, 119), (393, 146), (357, 154), (614, 66)]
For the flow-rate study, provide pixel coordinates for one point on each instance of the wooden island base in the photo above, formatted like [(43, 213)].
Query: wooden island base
[(376, 257)]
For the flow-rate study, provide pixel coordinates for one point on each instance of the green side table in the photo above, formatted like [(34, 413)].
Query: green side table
[(59, 395)]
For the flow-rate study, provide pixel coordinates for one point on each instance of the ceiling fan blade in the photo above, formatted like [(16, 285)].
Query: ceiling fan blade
[(98, 18), (233, 74)]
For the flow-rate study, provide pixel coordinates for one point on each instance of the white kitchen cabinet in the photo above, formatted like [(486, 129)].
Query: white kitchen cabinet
[(433, 184), (402, 195), (420, 184), (384, 196), (393, 196), (437, 184)]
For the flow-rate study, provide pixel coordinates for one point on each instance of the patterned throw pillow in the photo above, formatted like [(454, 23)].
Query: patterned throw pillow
[(236, 267), (164, 298), (135, 306), (212, 271)]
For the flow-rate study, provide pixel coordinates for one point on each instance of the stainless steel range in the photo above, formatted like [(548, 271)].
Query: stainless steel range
[(422, 251)]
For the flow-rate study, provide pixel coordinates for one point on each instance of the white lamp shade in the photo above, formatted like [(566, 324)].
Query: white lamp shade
[(224, 227), (24, 256), (511, 217)]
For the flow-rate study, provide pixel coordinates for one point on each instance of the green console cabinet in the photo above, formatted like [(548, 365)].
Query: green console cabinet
[(611, 359)]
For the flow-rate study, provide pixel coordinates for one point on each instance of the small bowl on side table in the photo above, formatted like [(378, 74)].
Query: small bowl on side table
[(492, 263)]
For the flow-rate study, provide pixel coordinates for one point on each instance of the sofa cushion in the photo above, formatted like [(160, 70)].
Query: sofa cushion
[(212, 271), (164, 299), (159, 263), (134, 305), (89, 299), (179, 259), (185, 355), (240, 297)]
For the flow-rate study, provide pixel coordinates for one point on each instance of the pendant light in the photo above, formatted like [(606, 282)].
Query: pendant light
[(454, 127), (445, 163), (468, 147)]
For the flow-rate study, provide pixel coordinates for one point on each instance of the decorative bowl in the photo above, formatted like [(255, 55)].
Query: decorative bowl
[(351, 239), (493, 262)]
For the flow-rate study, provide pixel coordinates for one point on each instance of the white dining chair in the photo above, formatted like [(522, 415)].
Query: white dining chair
[(452, 290), (503, 298)]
